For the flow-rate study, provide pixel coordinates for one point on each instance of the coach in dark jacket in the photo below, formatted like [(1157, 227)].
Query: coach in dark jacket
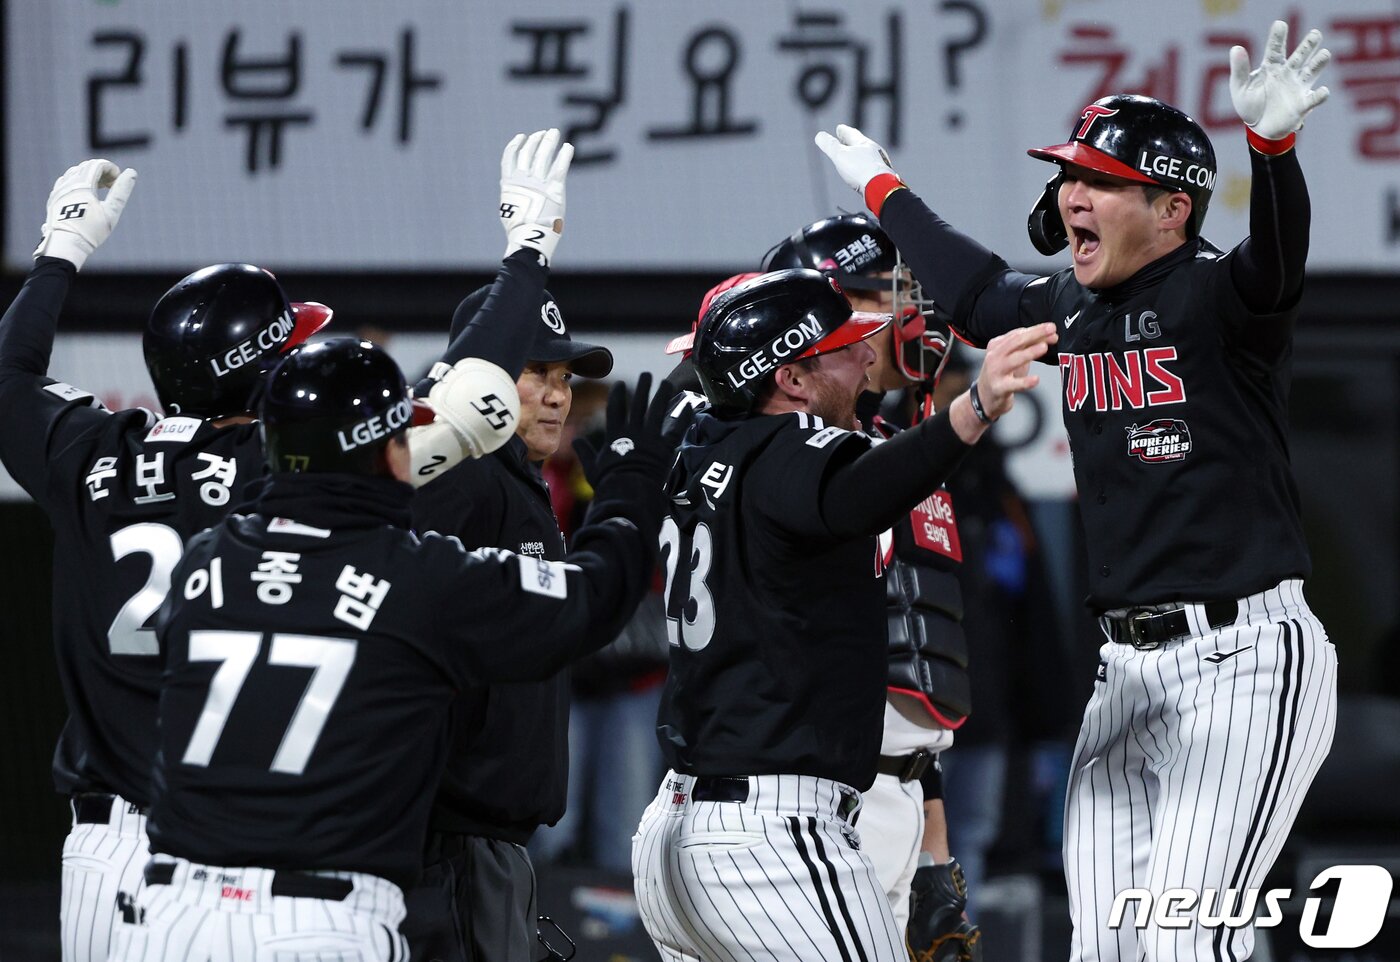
[(508, 768)]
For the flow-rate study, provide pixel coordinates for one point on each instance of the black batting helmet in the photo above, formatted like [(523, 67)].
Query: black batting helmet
[(753, 329), (855, 250), (1136, 138), (213, 336), (850, 247), (333, 406)]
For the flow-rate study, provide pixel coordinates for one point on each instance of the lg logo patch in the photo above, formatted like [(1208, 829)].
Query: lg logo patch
[(72, 211), (622, 446)]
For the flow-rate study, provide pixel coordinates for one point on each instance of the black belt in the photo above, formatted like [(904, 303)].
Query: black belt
[(720, 788), (728, 788), (1146, 629), (909, 767), (95, 808), (294, 885)]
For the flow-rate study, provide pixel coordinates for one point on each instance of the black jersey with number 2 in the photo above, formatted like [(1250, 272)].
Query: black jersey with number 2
[(123, 491)]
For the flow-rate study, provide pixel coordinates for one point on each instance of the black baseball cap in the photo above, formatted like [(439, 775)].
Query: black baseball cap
[(552, 344)]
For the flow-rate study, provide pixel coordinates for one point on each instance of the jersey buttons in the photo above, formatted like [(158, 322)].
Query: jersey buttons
[(1105, 571)]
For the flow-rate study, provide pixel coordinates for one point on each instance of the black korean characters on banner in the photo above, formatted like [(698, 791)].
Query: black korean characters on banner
[(262, 90)]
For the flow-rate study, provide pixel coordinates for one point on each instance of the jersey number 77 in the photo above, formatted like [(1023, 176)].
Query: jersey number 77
[(236, 651)]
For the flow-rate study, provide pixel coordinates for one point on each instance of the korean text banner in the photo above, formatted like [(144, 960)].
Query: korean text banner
[(343, 135)]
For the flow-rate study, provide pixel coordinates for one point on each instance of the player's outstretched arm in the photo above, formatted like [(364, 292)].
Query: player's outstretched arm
[(954, 269), (872, 492), (474, 413), (499, 329), (1273, 100), (77, 221), (557, 612)]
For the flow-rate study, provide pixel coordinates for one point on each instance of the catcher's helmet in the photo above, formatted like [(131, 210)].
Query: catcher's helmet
[(753, 329), (850, 247), (1134, 137), (333, 406), (860, 255), (212, 337)]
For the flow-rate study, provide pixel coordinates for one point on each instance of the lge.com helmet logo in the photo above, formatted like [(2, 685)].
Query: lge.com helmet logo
[(1360, 900)]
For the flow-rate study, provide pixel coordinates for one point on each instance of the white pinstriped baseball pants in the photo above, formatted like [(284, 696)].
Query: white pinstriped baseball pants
[(217, 914), (101, 868), (777, 877), (1191, 766)]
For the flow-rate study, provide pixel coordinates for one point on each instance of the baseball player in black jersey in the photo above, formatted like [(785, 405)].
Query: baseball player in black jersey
[(771, 716), (311, 648), (902, 823), (508, 765), (1216, 695), (123, 490)]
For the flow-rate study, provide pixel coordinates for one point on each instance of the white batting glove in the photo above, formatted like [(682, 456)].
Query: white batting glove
[(76, 221), (862, 164), (1274, 99), (532, 191)]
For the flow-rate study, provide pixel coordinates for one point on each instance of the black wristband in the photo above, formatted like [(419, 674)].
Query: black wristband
[(977, 408)]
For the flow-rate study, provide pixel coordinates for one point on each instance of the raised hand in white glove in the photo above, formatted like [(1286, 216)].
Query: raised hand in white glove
[(533, 169), (1273, 99), (76, 221), (860, 161)]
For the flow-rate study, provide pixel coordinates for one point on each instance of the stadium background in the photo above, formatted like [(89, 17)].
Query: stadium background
[(352, 149)]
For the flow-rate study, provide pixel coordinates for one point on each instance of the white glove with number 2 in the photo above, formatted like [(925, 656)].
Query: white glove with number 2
[(532, 191), (77, 222), (1274, 98)]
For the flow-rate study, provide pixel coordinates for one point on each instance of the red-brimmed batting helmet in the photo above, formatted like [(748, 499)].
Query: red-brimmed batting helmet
[(1136, 138), (772, 320), (213, 337)]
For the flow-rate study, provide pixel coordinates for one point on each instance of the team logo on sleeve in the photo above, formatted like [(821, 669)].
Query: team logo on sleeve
[(1166, 439)]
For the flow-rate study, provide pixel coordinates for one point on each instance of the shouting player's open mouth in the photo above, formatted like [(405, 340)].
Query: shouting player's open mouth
[(1086, 242)]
